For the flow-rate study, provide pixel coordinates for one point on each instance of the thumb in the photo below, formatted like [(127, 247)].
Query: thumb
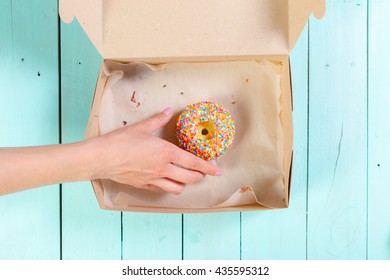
[(157, 121)]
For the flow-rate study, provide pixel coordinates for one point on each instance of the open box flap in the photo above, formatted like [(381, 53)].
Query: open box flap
[(298, 14), (89, 14), (134, 30)]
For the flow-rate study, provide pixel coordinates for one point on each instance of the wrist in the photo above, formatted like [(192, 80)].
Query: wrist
[(93, 162)]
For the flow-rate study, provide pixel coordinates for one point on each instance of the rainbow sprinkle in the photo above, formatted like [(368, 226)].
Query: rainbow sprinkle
[(205, 129)]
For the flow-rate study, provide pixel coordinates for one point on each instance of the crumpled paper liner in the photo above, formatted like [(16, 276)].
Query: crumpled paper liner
[(250, 90)]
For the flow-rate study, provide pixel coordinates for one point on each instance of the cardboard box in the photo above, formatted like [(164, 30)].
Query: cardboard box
[(213, 44)]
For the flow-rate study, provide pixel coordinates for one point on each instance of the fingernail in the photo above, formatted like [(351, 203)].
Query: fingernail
[(218, 173), (167, 111)]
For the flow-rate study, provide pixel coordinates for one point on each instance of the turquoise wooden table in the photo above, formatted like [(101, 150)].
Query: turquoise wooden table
[(340, 189)]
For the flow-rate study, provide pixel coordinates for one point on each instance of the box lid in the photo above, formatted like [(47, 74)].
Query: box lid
[(122, 29)]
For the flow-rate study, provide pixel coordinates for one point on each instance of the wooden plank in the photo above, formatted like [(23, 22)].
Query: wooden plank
[(379, 131), (338, 133), (211, 236), (281, 234), (6, 56), (87, 231), (152, 236), (29, 116)]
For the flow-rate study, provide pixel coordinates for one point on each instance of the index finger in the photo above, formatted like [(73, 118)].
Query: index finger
[(189, 161)]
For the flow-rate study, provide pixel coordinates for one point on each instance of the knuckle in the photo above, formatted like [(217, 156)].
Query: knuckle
[(170, 154), (165, 153), (175, 154), (158, 118), (159, 172), (178, 190), (196, 165)]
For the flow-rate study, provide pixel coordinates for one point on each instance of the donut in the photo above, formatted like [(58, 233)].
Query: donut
[(205, 129)]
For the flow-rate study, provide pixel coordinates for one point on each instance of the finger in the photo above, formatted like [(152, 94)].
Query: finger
[(157, 121), (168, 185), (192, 162), (151, 188), (183, 175)]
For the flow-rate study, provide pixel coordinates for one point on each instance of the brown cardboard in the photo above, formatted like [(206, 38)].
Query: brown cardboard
[(250, 90), (157, 31), (171, 30)]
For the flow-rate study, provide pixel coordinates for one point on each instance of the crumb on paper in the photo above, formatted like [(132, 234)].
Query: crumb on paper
[(181, 93), (133, 98), (124, 123), (246, 81), (234, 102), (164, 85), (246, 189)]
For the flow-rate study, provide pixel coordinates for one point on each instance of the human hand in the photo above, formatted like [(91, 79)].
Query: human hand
[(133, 156)]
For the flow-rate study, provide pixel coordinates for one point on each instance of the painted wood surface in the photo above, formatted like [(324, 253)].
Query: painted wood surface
[(29, 221), (379, 130), (337, 174), (149, 236), (338, 207), (212, 236)]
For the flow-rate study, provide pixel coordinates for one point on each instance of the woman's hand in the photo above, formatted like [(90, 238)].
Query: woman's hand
[(133, 156), (130, 155)]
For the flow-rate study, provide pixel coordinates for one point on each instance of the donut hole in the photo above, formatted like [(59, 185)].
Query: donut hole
[(205, 131)]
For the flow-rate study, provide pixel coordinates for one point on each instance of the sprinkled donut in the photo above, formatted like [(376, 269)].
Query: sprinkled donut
[(205, 129)]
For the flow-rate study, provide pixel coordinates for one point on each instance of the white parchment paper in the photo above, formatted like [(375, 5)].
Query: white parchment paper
[(250, 90)]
